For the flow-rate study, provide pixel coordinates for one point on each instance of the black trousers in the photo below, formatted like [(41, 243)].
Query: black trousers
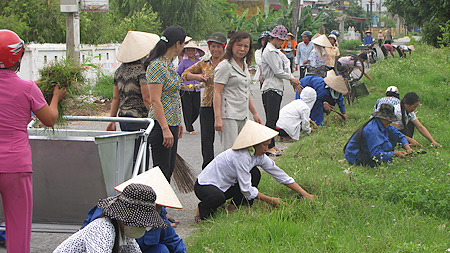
[(190, 102), (207, 134), (130, 127), (302, 70), (272, 102), (379, 42), (212, 197), (164, 157), (292, 64)]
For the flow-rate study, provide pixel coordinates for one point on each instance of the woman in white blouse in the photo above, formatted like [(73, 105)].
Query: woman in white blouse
[(233, 173), (295, 116), (232, 80), (274, 72)]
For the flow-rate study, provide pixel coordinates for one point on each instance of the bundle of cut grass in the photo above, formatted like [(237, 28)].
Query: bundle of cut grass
[(67, 74)]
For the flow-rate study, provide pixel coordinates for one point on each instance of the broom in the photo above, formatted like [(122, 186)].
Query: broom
[(184, 178)]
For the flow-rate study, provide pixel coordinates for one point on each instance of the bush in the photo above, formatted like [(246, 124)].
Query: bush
[(350, 45), (444, 40), (431, 32), (104, 86)]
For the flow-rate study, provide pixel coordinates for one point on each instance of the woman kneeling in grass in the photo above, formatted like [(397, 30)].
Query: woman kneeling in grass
[(233, 173), (375, 141)]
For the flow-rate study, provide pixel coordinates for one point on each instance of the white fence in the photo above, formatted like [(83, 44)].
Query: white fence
[(38, 55)]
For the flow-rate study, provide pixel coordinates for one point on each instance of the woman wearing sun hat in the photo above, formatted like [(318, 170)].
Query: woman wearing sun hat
[(374, 142), (294, 117), (125, 218), (233, 173), (274, 72), (155, 240), (190, 90), (289, 48), (318, 55), (203, 71), (130, 93), (332, 53), (330, 91)]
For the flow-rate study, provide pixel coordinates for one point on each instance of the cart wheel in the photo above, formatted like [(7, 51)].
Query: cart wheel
[(352, 73)]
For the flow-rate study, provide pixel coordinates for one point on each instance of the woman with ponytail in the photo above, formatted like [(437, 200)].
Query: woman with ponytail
[(408, 119), (374, 142), (164, 84)]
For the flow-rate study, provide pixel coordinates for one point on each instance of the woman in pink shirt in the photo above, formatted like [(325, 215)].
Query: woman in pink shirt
[(17, 99)]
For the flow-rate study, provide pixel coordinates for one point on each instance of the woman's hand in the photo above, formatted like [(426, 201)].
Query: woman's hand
[(59, 93), (435, 144), (218, 125), (401, 154), (310, 197), (180, 131), (167, 138), (327, 106), (414, 143), (256, 118), (111, 126), (199, 77), (275, 202)]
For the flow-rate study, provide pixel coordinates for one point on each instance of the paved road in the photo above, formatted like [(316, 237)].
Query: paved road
[(189, 149)]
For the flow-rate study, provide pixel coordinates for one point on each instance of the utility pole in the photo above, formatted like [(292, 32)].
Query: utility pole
[(70, 7), (295, 17), (371, 15)]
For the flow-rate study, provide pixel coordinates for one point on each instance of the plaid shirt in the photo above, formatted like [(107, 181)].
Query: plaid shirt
[(206, 68), (161, 71)]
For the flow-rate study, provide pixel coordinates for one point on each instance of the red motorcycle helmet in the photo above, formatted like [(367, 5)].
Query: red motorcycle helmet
[(11, 48)]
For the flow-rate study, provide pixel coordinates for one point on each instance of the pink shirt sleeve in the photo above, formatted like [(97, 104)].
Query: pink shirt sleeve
[(37, 100)]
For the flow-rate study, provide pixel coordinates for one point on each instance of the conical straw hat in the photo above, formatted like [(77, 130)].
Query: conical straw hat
[(335, 82), (322, 40), (165, 196), (251, 134), (191, 44), (136, 45)]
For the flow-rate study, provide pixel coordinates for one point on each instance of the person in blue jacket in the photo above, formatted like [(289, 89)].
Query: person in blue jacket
[(154, 240), (368, 40), (330, 91), (374, 142)]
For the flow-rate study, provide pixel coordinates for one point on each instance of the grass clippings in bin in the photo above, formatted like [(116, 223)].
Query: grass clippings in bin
[(67, 74)]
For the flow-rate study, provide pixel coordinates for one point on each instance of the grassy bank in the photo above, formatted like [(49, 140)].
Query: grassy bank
[(398, 207)]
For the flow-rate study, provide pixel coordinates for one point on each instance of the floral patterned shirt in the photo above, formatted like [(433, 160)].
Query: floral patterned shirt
[(206, 68)]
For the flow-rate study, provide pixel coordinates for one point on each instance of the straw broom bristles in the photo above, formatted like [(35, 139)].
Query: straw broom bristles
[(184, 178)]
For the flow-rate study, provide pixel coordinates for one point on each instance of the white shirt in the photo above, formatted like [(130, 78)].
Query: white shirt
[(236, 90), (398, 113), (273, 68), (97, 236), (294, 117), (233, 166), (258, 55)]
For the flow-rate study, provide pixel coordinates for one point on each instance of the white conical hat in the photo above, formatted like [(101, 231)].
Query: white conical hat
[(322, 40), (136, 45), (165, 196), (251, 134), (335, 82)]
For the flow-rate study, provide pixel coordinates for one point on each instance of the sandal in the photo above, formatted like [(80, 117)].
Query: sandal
[(277, 153), (172, 220), (197, 219)]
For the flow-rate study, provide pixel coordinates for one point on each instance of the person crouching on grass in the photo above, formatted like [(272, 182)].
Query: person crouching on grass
[(374, 142), (233, 173)]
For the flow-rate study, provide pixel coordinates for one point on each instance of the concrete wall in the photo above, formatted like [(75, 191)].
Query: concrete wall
[(38, 55)]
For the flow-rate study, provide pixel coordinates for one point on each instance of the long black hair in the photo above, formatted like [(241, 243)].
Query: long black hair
[(266, 40), (410, 98), (358, 134), (171, 36)]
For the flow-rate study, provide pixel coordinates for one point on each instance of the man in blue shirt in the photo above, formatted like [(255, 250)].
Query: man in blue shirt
[(330, 91), (375, 141), (303, 50), (368, 40)]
